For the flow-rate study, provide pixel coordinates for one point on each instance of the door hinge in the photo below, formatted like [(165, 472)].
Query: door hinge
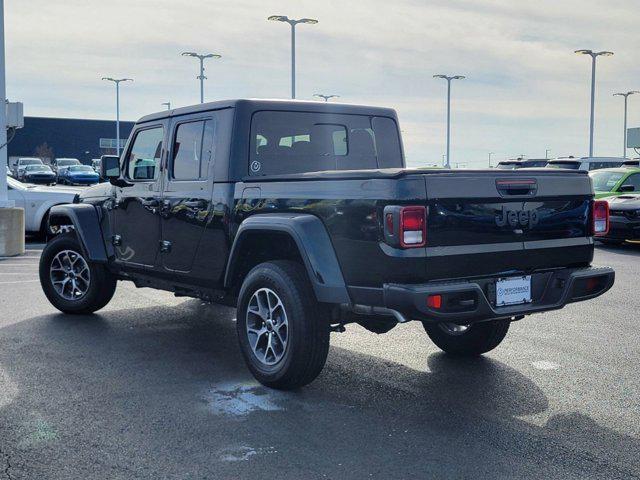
[(165, 246), (116, 240)]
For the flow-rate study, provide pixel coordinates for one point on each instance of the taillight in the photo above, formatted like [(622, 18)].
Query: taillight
[(413, 227), (600, 218)]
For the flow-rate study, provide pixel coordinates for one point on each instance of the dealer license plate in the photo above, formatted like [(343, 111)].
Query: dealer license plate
[(513, 291)]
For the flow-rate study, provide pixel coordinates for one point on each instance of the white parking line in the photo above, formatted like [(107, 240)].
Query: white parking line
[(18, 273), (544, 365), (19, 281)]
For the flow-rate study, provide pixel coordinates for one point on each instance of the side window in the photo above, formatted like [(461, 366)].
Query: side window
[(633, 180), (192, 150), (143, 160)]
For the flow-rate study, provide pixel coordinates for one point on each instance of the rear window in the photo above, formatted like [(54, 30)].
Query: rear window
[(297, 142), (569, 165)]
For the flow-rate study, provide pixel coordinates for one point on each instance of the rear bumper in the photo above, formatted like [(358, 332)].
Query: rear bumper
[(474, 300), (622, 228)]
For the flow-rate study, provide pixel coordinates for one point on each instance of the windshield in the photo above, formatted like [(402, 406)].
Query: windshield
[(507, 166), (33, 161), (69, 161), (569, 165), (605, 181), (80, 168), (37, 168)]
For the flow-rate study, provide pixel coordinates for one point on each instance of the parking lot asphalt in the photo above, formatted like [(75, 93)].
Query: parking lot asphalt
[(154, 386)]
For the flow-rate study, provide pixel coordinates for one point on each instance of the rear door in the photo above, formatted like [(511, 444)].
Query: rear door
[(487, 222), (186, 201)]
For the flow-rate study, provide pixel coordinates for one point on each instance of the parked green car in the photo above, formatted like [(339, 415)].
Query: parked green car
[(613, 182)]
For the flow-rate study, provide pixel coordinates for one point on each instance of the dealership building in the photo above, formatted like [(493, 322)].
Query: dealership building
[(50, 138)]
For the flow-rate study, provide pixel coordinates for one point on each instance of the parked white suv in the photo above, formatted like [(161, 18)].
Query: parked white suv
[(22, 162), (586, 163)]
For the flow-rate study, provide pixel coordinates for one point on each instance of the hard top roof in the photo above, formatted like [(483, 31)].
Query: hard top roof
[(253, 105)]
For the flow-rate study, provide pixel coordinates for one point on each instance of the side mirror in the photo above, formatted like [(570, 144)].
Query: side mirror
[(110, 170), (627, 188)]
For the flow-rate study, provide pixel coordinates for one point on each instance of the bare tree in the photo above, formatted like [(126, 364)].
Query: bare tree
[(44, 152)]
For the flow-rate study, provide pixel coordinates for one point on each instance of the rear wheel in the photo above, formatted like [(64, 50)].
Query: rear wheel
[(467, 340), (283, 331), (71, 282)]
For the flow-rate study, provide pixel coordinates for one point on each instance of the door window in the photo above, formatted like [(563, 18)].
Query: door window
[(633, 180), (192, 150), (143, 159)]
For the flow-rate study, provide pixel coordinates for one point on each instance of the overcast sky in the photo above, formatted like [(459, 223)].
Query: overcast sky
[(525, 89)]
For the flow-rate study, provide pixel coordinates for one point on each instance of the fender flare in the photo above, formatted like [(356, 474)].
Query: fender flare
[(86, 222), (314, 245)]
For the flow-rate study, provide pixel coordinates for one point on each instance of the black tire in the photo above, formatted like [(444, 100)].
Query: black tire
[(477, 339), (101, 285), (307, 332)]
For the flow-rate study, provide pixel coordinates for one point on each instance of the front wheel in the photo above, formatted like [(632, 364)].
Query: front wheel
[(283, 331), (71, 282), (467, 340)]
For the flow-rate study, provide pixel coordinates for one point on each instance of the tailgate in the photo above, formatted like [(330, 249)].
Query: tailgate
[(488, 222)]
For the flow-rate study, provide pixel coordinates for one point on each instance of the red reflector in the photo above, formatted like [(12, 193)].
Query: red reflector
[(600, 220), (434, 301), (592, 284)]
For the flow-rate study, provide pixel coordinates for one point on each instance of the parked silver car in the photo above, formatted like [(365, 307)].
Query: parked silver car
[(37, 201)]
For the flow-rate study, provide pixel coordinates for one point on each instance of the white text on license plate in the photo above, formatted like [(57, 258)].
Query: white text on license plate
[(513, 291)]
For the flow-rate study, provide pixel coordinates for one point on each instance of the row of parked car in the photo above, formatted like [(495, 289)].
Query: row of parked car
[(614, 179), (69, 171)]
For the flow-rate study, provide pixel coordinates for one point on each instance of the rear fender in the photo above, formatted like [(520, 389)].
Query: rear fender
[(314, 245)]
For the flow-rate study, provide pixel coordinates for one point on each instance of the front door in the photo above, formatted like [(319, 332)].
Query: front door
[(137, 206), (186, 202)]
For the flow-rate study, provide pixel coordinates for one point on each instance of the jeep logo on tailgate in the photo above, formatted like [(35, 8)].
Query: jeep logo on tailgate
[(517, 218)]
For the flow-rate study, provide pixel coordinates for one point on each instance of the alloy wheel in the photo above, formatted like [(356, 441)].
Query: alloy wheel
[(267, 326)]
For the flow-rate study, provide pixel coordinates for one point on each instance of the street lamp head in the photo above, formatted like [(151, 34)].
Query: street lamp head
[(625, 94), (278, 18), (594, 54), (189, 54), (449, 78), (310, 21), (211, 55)]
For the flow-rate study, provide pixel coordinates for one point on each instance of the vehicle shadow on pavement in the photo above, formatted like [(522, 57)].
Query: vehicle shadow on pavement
[(162, 392), (632, 250)]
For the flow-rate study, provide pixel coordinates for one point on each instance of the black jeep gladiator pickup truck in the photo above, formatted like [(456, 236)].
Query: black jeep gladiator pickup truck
[(303, 215)]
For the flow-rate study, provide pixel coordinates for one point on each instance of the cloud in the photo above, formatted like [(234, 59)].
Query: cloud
[(525, 92)]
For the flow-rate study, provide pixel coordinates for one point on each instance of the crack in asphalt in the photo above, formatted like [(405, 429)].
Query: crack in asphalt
[(7, 468)]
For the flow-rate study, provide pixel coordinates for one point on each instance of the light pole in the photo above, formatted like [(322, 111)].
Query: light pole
[(448, 79), (624, 135), (4, 195), (201, 58), (546, 153), (593, 56), (293, 23), (490, 153), (326, 97), (167, 104), (117, 81)]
